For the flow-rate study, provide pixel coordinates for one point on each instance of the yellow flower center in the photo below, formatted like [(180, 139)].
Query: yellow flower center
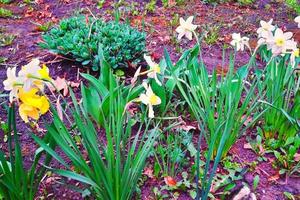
[(279, 42), (156, 69), (153, 99), (296, 53)]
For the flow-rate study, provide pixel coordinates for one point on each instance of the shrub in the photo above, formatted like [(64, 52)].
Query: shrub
[(80, 38)]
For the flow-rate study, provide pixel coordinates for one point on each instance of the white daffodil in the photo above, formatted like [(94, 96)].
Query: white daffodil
[(294, 51), (149, 99), (30, 73), (239, 42), (265, 29), (297, 20), (154, 69), (12, 83), (186, 28), (280, 42)]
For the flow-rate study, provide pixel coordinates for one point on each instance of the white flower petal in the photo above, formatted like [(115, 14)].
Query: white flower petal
[(151, 112)]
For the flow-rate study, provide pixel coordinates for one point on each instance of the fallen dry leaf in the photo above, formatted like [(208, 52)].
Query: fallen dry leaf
[(148, 172), (297, 157), (274, 178), (170, 181), (247, 146), (244, 192)]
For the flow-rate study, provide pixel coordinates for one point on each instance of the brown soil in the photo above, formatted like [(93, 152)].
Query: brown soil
[(231, 17)]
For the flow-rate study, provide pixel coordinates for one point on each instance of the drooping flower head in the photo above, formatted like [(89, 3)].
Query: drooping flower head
[(186, 28), (25, 89), (32, 105), (30, 73), (151, 73), (12, 83), (154, 69), (239, 42)]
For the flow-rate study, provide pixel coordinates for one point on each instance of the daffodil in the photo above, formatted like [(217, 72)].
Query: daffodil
[(149, 99), (26, 111), (32, 104), (239, 42), (280, 42), (151, 73), (12, 83), (265, 29), (297, 20), (44, 73), (186, 28), (30, 73), (154, 69)]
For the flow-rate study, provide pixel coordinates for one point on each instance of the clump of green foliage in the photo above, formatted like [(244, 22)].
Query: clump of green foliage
[(80, 38), (6, 39), (246, 2), (5, 1), (5, 13), (294, 4)]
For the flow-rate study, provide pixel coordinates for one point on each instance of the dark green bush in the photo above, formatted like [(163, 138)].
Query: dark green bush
[(80, 38)]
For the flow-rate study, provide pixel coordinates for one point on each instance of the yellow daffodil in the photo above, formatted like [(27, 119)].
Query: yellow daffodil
[(239, 42), (265, 29), (280, 42), (26, 111), (12, 83), (32, 104), (186, 28), (297, 20), (149, 99)]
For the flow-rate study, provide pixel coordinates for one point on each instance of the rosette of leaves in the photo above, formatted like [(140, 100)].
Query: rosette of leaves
[(80, 38)]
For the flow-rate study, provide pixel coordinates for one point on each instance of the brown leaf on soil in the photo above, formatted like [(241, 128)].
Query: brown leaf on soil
[(74, 84), (170, 181), (184, 126), (222, 70), (297, 157), (52, 179), (137, 21), (171, 3), (60, 84), (247, 146), (148, 172), (244, 192), (274, 178)]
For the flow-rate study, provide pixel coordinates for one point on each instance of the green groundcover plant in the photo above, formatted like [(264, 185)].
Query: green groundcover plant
[(80, 37)]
